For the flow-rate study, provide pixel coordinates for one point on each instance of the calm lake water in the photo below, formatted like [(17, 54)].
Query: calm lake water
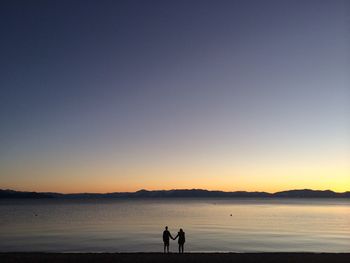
[(314, 225)]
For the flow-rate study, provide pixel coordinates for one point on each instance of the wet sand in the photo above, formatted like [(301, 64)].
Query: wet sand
[(175, 258)]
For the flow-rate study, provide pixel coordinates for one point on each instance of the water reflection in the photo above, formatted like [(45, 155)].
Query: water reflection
[(137, 225)]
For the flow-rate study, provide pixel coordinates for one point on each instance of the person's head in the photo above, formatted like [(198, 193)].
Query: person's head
[(181, 230), (166, 228)]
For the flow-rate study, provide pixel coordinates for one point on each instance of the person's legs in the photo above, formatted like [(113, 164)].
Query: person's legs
[(182, 248), (166, 247)]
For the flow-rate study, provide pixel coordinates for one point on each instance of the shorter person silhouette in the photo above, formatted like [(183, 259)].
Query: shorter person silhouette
[(181, 241), (166, 237)]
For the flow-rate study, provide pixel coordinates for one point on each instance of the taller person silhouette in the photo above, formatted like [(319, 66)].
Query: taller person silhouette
[(166, 238)]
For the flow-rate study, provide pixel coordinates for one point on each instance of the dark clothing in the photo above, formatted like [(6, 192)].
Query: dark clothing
[(166, 236), (181, 241), (181, 248), (181, 236)]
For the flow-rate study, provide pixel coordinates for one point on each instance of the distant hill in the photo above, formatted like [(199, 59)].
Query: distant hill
[(18, 194), (185, 193), (307, 193)]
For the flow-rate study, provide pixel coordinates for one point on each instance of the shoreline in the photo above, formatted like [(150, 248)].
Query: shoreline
[(271, 257)]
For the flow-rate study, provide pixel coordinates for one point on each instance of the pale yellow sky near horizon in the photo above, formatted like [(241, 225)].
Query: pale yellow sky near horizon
[(265, 174)]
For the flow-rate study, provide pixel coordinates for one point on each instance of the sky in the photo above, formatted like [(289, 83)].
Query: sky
[(104, 96)]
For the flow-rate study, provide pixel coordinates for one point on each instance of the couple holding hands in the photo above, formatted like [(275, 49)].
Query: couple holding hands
[(167, 236)]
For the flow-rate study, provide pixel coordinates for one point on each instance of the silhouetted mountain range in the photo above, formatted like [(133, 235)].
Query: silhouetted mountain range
[(186, 193)]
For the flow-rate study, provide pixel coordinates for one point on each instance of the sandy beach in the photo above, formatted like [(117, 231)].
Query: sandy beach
[(174, 258)]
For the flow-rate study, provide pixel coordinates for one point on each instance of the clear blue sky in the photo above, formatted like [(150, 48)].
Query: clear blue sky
[(122, 95)]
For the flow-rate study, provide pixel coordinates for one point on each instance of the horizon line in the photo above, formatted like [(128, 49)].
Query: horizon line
[(186, 189)]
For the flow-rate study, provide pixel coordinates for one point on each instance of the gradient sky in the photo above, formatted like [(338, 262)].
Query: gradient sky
[(101, 96)]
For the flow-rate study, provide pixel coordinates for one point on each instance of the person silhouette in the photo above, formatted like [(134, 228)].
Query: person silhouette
[(166, 236), (181, 241)]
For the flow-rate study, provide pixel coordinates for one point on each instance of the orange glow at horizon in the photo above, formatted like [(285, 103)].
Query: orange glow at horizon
[(103, 178)]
